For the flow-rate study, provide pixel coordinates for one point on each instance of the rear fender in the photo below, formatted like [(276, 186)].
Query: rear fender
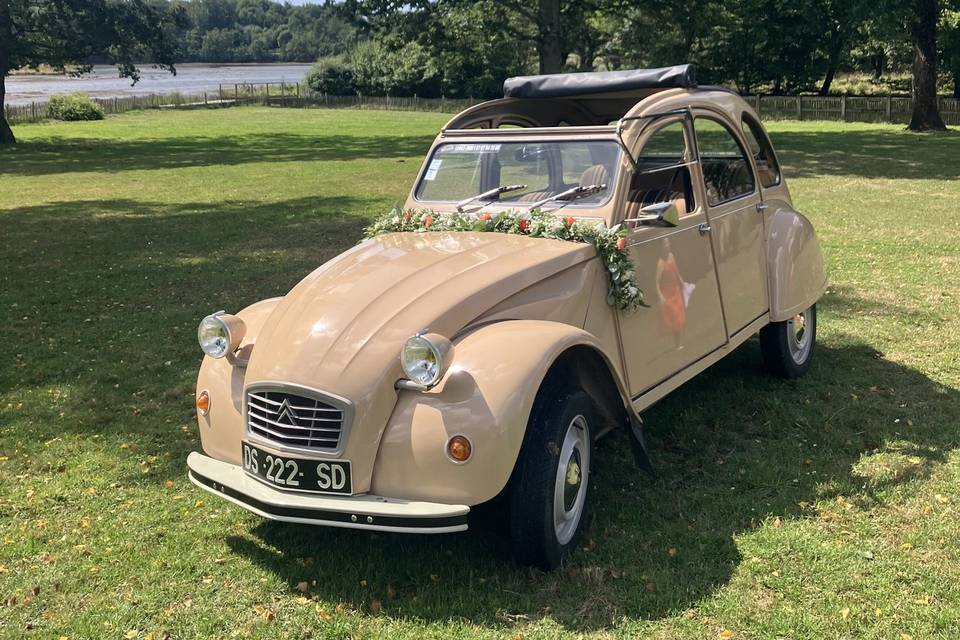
[(795, 270), (487, 396)]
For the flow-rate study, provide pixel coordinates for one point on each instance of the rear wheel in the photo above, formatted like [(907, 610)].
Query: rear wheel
[(549, 503), (788, 346)]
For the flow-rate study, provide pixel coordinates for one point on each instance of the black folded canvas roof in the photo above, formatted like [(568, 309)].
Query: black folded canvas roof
[(577, 84)]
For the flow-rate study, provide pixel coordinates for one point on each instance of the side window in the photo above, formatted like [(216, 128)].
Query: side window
[(726, 171), (762, 152), (660, 174)]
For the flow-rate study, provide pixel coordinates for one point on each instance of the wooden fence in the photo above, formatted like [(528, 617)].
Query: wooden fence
[(894, 109)]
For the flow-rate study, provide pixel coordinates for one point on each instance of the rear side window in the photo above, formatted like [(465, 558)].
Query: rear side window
[(726, 171), (762, 151)]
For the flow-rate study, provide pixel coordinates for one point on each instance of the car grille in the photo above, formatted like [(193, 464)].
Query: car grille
[(294, 420)]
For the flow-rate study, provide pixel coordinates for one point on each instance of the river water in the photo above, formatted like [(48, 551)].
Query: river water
[(190, 79)]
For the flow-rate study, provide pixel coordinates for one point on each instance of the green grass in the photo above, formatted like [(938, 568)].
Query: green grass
[(821, 508)]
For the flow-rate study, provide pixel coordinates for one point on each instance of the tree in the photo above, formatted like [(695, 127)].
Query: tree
[(923, 30), (951, 44), (540, 21), (65, 32), (845, 20)]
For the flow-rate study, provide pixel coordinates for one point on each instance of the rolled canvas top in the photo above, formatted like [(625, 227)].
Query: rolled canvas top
[(575, 84)]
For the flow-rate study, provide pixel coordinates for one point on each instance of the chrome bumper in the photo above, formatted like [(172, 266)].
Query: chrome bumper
[(375, 513)]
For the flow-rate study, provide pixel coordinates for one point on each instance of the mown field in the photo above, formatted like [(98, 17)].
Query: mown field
[(821, 508)]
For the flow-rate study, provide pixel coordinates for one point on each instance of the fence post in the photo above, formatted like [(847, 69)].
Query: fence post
[(236, 92), (889, 107), (799, 108), (220, 91), (843, 107)]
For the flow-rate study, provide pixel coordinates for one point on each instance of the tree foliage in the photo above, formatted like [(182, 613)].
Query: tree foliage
[(67, 32), (261, 31), (464, 48)]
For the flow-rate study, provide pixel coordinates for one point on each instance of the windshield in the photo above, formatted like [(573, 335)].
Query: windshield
[(458, 171)]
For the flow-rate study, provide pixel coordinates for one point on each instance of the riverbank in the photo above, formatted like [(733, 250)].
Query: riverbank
[(191, 78)]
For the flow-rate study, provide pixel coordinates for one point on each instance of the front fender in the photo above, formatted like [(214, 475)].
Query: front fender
[(224, 382), (487, 395), (797, 277)]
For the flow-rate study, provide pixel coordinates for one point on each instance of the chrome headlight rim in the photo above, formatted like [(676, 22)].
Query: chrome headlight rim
[(232, 329), (441, 351)]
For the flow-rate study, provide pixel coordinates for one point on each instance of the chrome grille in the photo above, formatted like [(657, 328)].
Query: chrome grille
[(294, 420)]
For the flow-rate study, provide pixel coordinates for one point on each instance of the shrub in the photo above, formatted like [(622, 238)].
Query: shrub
[(332, 75), (74, 107)]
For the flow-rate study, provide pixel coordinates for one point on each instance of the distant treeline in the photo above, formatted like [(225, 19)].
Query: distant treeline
[(261, 31), (464, 48)]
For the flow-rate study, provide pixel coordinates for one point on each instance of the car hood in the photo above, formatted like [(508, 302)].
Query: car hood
[(342, 327), (340, 330)]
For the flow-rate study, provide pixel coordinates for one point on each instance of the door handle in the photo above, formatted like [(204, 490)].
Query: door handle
[(761, 207), (704, 229)]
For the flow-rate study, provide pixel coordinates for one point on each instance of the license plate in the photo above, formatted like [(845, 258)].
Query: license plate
[(298, 474)]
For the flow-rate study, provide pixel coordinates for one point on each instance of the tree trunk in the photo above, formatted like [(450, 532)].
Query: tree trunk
[(828, 80), (6, 133), (878, 61), (923, 29), (550, 49), (832, 65)]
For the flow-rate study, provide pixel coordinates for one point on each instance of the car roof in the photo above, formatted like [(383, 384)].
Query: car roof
[(593, 110)]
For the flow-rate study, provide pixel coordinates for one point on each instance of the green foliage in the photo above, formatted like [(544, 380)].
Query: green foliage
[(65, 32), (332, 75), (261, 31), (76, 106)]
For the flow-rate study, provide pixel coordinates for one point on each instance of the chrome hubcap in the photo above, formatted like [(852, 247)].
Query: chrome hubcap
[(570, 489), (798, 338)]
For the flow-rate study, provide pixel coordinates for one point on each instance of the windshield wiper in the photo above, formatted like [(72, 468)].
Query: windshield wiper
[(490, 195), (568, 196)]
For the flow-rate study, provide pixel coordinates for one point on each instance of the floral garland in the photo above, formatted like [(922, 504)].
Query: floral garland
[(610, 243)]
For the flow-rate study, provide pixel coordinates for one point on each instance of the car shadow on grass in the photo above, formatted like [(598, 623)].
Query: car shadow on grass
[(734, 449), (65, 155)]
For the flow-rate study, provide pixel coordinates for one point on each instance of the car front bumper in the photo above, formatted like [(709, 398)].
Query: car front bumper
[(375, 513)]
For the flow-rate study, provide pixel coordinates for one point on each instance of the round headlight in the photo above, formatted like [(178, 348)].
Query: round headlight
[(425, 358), (220, 334)]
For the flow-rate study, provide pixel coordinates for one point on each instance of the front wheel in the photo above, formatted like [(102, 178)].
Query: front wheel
[(787, 346), (549, 501)]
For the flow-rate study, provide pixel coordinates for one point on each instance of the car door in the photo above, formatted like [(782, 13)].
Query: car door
[(674, 266), (735, 215)]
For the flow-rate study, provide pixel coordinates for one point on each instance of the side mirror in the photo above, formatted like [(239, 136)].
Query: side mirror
[(662, 213)]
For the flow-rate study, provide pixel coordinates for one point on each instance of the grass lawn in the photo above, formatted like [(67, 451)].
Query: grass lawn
[(821, 508)]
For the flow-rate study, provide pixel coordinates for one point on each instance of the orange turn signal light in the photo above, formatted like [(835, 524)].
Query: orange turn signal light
[(459, 448), (203, 402)]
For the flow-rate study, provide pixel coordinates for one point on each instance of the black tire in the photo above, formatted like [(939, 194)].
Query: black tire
[(533, 531), (783, 355)]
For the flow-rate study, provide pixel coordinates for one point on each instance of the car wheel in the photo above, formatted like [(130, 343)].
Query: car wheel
[(549, 501), (788, 346)]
